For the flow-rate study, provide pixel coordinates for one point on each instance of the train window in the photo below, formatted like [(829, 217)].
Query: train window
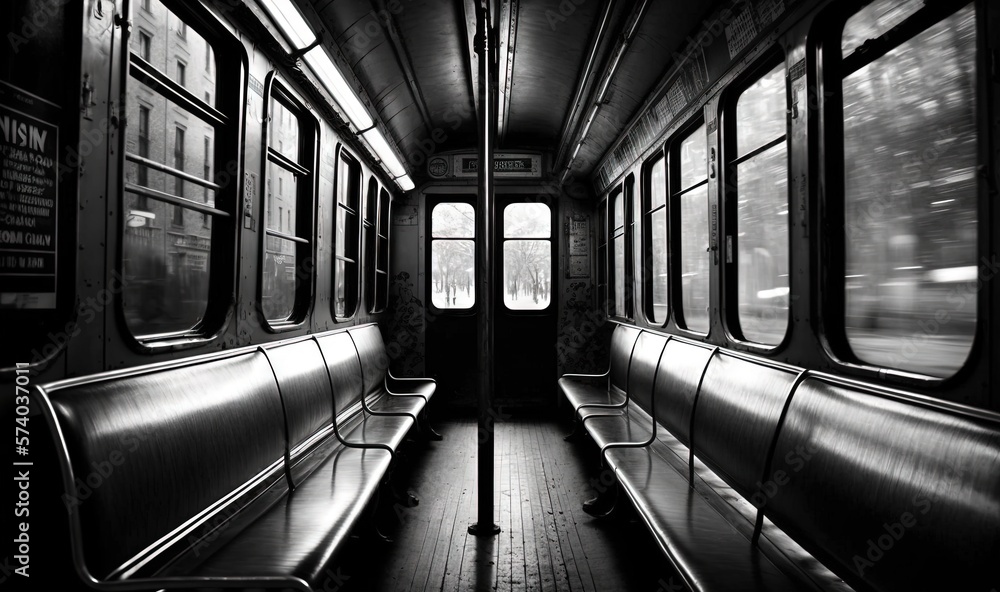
[(382, 251), (171, 220), (620, 243), (654, 232), (758, 180), (287, 245), (527, 256), (345, 273), (453, 255), (690, 192), (376, 227), (909, 182), (602, 258)]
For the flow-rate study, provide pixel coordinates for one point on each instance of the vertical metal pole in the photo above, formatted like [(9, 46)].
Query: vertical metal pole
[(485, 526)]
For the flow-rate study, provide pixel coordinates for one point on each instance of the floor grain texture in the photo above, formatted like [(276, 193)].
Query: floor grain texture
[(547, 543)]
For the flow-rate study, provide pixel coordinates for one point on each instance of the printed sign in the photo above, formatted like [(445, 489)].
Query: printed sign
[(578, 251), (29, 193), (504, 165)]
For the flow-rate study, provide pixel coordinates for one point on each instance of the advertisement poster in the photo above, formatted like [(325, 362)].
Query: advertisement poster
[(29, 190)]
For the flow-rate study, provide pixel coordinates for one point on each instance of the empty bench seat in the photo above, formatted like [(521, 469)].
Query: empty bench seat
[(699, 528), (589, 393), (247, 468), (897, 493), (767, 477)]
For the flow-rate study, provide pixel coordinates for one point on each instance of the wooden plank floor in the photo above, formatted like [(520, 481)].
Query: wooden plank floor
[(546, 543)]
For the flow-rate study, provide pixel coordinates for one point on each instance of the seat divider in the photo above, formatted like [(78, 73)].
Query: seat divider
[(364, 395), (284, 419), (652, 411), (768, 462), (333, 402), (694, 412), (612, 405)]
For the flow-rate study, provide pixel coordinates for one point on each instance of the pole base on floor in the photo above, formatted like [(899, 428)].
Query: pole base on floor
[(479, 530)]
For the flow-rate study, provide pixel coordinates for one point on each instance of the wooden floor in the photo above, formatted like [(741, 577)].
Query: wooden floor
[(547, 543)]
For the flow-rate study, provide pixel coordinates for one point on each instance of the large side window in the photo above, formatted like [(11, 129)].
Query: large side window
[(177, 219), (757, 178), (654, 236), (285, 285), (620, 243), (689, 190), (382, 250), (347, 244), (527, 256), (603, 302), (908, 113), (453, 255), (376, 228)]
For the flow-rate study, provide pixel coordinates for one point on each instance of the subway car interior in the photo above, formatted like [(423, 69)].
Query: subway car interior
[(551, 295)]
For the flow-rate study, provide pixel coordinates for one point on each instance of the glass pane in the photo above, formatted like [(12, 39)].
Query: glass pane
[(658, 265), (762, 223), (910, 188), (385, 209), (283, 130), (874, 20), (527, 220), (694, 259), (619, 271), (694, 158), (167, 44), (618, 207), (527, 267), (657, 185), (159, 130), (166, 274), (279, 279), (345, 221), (383, 255), (760, 112), (348, 183), (281, 205), (340, 270), (371, 202), (453, 273), (453, 220)]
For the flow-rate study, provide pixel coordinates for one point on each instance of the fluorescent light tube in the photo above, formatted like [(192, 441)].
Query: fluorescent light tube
[(335, 83), (384, 152), (405, 183), (288, 18)]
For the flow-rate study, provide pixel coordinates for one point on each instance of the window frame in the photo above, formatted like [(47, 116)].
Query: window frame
[(276, 90), (431, 203), (676, 223), (730, 190), (376, 250), (602, 289), (646, 232), (826, 46), (226, 117), (352, 283), (626, 189), (500, 253)]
